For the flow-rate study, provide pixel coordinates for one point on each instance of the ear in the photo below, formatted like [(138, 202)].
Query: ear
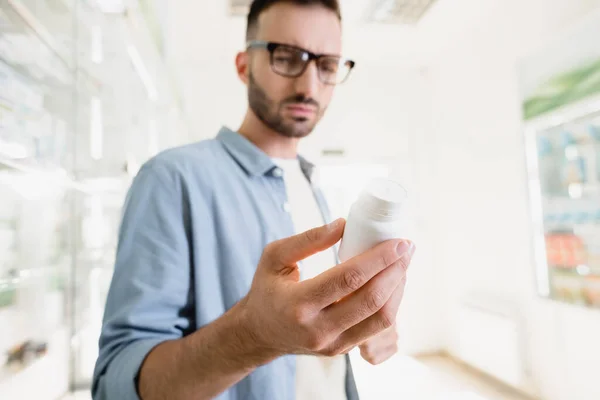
[(242, 65)]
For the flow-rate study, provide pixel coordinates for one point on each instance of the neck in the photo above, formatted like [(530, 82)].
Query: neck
[(272, 143)]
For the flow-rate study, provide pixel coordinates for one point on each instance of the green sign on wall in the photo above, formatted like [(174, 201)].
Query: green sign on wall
[(564, 89)]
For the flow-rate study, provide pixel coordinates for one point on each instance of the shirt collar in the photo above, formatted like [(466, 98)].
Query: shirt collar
[(252, 159)]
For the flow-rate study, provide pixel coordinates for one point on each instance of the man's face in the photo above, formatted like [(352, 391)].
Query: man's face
[(292, 106)]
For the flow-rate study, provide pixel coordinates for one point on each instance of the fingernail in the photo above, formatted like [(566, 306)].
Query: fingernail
[(412, 249), (403, 247), (333, 225)]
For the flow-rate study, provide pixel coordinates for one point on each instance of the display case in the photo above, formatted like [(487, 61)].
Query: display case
[(560, 86), (564, 149), (84, 94)]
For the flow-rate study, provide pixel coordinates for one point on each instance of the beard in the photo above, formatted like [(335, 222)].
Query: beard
[(270, 112)]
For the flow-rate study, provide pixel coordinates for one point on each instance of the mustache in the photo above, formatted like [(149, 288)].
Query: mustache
[(301, 99)]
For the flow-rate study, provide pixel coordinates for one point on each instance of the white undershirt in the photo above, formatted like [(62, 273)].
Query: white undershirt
[(317, 378)]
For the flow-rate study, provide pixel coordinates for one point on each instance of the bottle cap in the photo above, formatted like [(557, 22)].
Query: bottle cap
[(383, 198)]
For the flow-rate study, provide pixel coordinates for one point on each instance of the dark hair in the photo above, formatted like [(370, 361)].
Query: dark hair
[(260, 6)]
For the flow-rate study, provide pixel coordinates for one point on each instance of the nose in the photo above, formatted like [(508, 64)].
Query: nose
[(308, 83)]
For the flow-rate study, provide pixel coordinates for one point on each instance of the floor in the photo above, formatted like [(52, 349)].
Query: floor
[(428, 378)]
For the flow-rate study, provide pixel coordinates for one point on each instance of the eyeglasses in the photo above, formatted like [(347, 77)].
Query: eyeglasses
[(291, 62)]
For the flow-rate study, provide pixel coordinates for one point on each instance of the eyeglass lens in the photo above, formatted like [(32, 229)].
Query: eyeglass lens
[(289, 61)]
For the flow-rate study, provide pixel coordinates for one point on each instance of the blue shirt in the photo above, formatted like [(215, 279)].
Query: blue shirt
[(196, 220)]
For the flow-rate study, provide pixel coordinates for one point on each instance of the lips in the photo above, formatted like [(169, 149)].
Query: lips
[(300, 110)]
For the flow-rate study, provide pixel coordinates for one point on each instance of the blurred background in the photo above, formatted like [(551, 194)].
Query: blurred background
[(487, 111)]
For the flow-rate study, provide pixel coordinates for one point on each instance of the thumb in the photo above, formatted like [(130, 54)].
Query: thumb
[(296, 248)]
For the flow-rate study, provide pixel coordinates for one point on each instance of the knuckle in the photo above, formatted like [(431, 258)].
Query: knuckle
[(352, 279), (301, 315), (382, 261), (404, 262), (388, 254), (312, 235), (316, 342), (375, 301), (387, 318), (270, 250), (323, 291)]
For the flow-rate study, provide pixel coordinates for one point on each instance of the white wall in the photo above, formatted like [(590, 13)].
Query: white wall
[(483, 234)]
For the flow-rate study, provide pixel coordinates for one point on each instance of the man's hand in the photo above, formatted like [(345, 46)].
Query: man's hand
[(327, 315), (331, 313)]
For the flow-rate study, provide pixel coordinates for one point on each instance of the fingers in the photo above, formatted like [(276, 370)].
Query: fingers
[(380, 341), (380, 355), (369, 299), (346, 278), (289, 251), (376, 323)]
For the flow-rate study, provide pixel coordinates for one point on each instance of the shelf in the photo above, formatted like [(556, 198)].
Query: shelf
[(25, 74), (33, 22), (575, 288), (575, 272), (59, 175), (24, 275), (62, 57), (20, 34), (569, 211)]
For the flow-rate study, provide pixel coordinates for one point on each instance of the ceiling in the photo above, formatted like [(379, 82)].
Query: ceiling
[(392, 11)]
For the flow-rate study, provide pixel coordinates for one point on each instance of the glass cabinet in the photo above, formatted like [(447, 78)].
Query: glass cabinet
[(84, 95), (564, 165)]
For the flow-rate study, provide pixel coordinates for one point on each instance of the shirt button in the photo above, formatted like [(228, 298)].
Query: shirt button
[(286, 207), (277, 172)]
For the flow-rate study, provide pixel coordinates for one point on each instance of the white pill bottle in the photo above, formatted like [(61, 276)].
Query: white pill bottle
[(376, 216)]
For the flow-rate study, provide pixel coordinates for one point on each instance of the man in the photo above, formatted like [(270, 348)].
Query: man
[(213, 294)]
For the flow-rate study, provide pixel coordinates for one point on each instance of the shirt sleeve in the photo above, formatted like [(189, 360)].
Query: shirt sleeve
[(151, 297)]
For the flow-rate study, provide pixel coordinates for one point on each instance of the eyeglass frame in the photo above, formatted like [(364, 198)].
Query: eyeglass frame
[(272, 46)]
